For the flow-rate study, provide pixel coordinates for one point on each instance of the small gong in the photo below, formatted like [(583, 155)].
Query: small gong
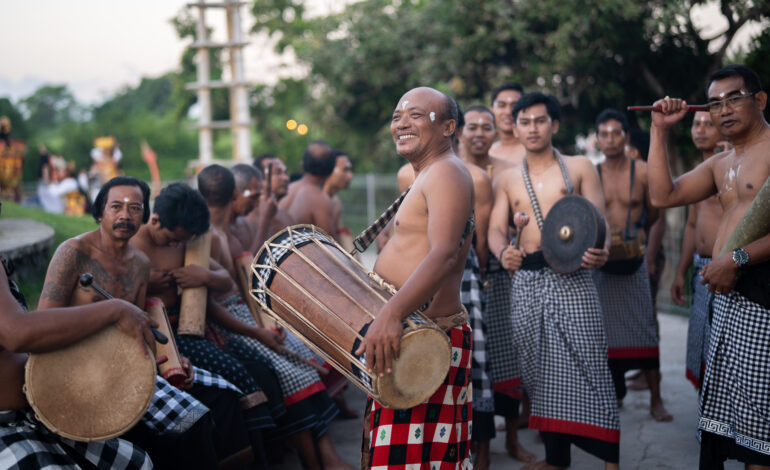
[(572, 226)]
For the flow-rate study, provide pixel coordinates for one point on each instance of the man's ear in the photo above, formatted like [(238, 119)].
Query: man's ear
[(449, 127), (761, 99), (555, 127)]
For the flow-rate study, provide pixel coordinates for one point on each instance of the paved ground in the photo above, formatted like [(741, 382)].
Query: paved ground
[(644, 443)]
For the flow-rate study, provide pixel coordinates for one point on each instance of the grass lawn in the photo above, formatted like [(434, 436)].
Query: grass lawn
[(64, 226)]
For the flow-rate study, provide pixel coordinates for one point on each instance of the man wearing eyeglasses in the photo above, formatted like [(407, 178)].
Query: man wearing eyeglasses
[(735, 401)]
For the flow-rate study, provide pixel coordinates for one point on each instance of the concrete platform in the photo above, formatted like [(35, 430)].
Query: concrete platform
[(26, 243), (645, 443)]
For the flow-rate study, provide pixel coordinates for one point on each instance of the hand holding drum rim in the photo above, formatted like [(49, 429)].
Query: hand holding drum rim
[(382, 342), (148, 328)]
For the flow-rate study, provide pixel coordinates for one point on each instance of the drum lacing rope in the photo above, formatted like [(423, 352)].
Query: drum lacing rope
[(531, 191)]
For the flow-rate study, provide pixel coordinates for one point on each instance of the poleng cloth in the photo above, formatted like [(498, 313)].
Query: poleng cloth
[(735, 397), (472, 297), (434, 434), (559, 336), (698, 328), (503, 364), (629, 319)]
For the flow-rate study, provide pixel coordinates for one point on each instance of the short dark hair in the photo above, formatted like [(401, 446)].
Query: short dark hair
[(260, 159), (750, 78), (640, 140), (179, 205), (243, 174), (530, 99), (506, 86), (460, 116), (216, 184), (97, 210), (610, 113), (482, 109), (451, 110), (317, 159)]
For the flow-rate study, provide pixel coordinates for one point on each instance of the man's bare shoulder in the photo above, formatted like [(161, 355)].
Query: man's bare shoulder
[(451, 169), (479, 175), (139, 257)]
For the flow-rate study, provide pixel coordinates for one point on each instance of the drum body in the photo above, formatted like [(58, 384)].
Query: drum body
[(95, 389), (311, 286)]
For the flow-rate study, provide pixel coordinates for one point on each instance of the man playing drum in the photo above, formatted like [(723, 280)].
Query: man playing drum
[(697, 245), (424, 259), (120, 208), (557, 320), (26, 444), (623, 282), (735, 404)]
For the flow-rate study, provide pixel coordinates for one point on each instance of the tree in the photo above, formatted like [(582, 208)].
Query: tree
[(49, 106)]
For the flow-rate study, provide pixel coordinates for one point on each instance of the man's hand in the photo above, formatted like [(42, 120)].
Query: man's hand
[(160, 280), (190, 276), (595, 258), (672, 111), (382, 342), (266, 208), (269, 338), (720, 274), (512, 258), (188, 369), (134, 322), (677, 290)]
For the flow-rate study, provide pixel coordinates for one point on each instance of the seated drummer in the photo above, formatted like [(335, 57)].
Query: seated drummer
[(557, 319), (24, 442), (424, 259), (123, 271)]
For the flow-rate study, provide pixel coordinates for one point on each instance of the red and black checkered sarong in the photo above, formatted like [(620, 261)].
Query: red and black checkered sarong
[(434, 434)]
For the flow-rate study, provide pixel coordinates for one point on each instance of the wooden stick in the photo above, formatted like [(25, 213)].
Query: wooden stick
[(321, 370), (690, 108)]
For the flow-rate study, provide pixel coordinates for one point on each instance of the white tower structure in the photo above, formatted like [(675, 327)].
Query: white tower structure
[(239, 101)]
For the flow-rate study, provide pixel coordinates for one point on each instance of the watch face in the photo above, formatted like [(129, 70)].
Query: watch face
[(740, 257)]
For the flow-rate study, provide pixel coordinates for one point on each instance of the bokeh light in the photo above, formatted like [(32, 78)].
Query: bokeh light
[(291, 124), (302, 129)]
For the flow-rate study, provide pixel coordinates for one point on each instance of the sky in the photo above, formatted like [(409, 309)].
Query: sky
[(97, 47)]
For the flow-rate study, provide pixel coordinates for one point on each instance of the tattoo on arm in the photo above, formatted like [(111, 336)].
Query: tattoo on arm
[(60, 279)]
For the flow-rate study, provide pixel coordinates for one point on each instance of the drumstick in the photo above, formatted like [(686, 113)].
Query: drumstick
[(321, 370), (690, 108), (87, 280)]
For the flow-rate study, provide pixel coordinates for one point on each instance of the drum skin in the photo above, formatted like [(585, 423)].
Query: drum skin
[(586, 229), (328, 300), (93, 390)]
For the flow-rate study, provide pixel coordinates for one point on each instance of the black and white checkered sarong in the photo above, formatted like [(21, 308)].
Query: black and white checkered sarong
[(298, 379), (172, 411), (735, 399), (501, 354), (210, 379), (25, 444), (698, 328), (471, 295), (559, 336), (629, 319)]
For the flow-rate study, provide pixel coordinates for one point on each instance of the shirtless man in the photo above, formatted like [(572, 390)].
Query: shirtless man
[(509, 147), (697, 246), (623, 282), (557, 319), (477, 137), (25, 443), (272, 166), (340, 179), (734, 408), (121, 206), (424, 259), (306, 202)]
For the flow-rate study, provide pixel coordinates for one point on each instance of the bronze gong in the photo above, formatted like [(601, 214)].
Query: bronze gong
[(572, 226)]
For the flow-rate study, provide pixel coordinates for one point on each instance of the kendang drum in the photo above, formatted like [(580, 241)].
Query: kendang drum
[(319, 292), (95, 389)]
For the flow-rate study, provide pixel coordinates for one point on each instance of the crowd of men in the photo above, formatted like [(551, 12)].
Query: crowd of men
[(540, 348)]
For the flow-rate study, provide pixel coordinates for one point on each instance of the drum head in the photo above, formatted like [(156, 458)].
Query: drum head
[(93, 390), (572, 226), (421, 368)]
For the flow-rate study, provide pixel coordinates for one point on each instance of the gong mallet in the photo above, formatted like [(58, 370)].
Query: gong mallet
[(87, 280), (690, 108), (520, 220)]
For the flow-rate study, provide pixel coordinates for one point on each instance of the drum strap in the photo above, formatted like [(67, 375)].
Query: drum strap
[(627, 232), (367, 237), (531, 191)]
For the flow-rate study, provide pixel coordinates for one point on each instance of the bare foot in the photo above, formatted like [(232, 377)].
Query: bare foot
[(659, 413), (481, 456), (639, 383), (542, 465), (516, 451)]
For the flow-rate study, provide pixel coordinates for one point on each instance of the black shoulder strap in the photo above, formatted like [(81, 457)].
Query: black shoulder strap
[(627, 233)]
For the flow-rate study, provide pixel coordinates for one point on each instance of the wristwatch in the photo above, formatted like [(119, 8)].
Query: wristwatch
[(740, 257)]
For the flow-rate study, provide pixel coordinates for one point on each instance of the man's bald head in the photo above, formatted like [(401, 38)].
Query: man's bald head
[(318, 159), (446, 107)]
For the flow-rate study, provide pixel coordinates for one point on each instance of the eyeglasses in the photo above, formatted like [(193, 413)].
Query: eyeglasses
[(715, 107)]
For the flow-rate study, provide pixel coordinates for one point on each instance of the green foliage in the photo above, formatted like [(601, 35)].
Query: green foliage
[(50, 106), (18, 126)]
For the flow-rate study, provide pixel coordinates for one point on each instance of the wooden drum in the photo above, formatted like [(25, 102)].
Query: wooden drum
[(95, 389), (316, 290)]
